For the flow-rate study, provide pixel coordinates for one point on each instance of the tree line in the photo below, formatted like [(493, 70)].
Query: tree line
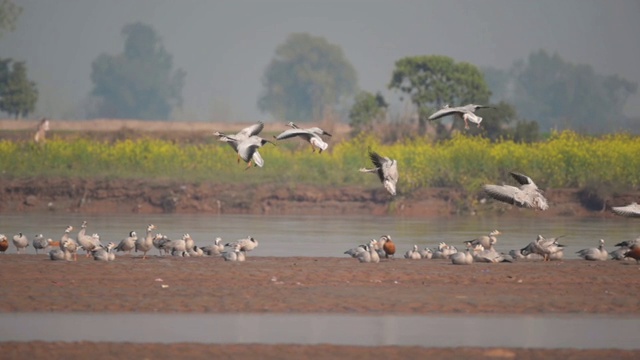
[(309, 76)]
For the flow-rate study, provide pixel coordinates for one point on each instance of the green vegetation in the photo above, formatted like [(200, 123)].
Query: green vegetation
[(140, 82), (308, 76), (18, 95), (564, 160)]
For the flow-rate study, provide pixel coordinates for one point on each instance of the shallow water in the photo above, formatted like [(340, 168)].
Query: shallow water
[(584, 332), (332, 235)]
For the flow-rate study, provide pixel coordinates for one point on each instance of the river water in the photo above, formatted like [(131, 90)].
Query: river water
[(332, 235), (557, 331)]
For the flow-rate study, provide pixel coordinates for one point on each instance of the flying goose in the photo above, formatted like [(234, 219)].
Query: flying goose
[(386, 169), (312, 135), (466, 113), (527, 195), (631, 210)]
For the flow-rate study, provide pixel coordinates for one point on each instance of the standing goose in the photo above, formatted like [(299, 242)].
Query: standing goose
[(20, 241), (86, 242), (386, 169), (40, 243), (4, 243), (527, 195), (631, 210), (312, 135), (594, 254), (466, 113), (145, 244), (127, 244)]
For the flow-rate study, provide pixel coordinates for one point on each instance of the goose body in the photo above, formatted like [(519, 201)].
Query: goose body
[(466, 113), (146, 243), (527, 195), (386, 169), (20, 241), (127, 244), (594, 254)]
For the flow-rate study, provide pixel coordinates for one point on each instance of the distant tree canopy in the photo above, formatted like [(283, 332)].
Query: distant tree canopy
[(367, 110), (9, 13), (18, 95), (433, 81), (307, 76), (140, 82), (558, 94)]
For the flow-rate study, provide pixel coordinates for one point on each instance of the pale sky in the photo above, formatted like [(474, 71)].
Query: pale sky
[(225, 46)]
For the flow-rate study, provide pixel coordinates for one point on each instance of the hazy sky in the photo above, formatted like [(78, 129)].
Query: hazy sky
[(224, 46)]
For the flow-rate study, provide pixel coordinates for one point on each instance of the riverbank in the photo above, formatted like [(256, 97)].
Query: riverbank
[(157, 196)]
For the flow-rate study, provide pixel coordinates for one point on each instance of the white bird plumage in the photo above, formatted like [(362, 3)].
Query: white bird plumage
[(386, 169), (527, 195)]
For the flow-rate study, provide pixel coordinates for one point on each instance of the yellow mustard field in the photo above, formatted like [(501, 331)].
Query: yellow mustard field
[(566, 159)]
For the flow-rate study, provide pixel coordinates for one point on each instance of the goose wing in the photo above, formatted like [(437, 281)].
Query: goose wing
[(289, 133), (445, 112), (504, 193), (252, 130), (522, 179), (631, 210)]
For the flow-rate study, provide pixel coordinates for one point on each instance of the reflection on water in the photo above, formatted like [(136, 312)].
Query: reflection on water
[(331, 236), (585, 332)]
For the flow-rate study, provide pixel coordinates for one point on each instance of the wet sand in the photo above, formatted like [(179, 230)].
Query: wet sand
[(310, 285)]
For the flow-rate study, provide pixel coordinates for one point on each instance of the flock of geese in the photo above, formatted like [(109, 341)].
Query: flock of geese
[(246, 144), (482, 250), (68, 246)]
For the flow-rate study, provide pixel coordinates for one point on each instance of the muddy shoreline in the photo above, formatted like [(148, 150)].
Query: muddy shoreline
[(148, 197)]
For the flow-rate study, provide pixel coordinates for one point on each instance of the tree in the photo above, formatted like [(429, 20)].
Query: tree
[(18, 95), (9, 13), (559, 94), (367, 110), (435, 80), (139, 83), (307, 76)]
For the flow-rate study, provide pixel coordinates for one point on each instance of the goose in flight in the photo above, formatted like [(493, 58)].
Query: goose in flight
[(312, 135), (527, 195), (594, 254), (244, 134), (386, 169), (247, 149), (631, 210), (466, 113)]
